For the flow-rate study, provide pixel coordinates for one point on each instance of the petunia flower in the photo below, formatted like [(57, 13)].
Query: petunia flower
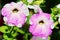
[(38, 38), (58, 6), (35, 7), (58, 18), (15, 13), (41, 24)]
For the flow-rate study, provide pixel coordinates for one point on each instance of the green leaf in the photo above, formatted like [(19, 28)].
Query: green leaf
[(4, 29), (24, 1), (48, 38), (14, 34), (54, 14), (26, 37), (5, 36), (28, 18), (38, 2), (19, 30)]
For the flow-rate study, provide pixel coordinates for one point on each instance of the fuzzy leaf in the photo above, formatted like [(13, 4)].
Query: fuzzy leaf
[(19, 30), (38, 2), (4, 29), (6, 37)]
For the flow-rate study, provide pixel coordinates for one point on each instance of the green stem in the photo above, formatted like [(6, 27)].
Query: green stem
[(11, 29), (55, 23), (49, 38), (19, 30), (26, 37)]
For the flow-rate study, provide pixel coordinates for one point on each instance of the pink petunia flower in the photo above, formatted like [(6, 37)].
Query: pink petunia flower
[(41, 25), (38, 38), (15, 13)]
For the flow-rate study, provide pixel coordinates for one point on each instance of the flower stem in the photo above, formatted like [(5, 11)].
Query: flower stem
[(26, 37), (55, 23), (11, 29)]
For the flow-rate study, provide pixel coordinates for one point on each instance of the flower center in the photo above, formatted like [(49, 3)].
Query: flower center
[(41, 22), (15, 10)]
